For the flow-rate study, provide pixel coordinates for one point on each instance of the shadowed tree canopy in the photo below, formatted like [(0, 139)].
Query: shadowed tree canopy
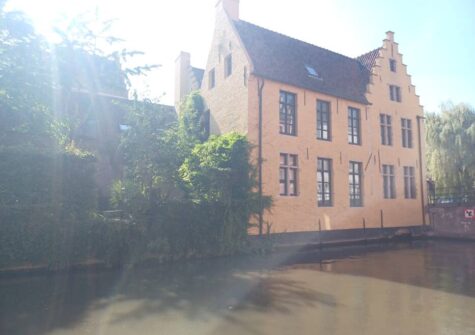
[(40, 81), (149, 153), (25, 86), (451, 146)]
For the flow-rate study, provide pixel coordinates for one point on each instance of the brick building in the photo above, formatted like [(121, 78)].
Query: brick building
[(338, 139)]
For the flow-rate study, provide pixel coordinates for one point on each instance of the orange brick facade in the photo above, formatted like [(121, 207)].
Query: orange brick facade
[(234, 105)]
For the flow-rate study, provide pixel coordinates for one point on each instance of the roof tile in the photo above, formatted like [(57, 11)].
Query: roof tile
[(284, 59)]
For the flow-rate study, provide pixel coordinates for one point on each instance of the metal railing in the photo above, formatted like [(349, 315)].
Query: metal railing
[(452, 196)]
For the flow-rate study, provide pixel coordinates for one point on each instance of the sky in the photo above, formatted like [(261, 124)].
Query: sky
[(436, 38)]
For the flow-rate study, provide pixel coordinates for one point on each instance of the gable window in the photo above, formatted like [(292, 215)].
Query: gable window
[(211, 79), (287, 113), (386, 129), (288, 175), (324, 182), (409, 183), (392, 65), (406, 129), (228, 65), (354, 176), (323, 120), (354, 126), (395, 93), (389, 186)]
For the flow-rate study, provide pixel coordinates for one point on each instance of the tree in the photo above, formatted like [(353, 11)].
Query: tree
[(26, 116), (190, 194), (150, 158), (218, 175), (219, 170), (450, 146), (193, 121), (47, 185)]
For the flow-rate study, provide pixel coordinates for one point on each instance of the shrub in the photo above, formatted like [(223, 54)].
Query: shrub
[(47, 202)]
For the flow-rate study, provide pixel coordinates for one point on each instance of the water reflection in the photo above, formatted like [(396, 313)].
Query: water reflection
[(418, 288)]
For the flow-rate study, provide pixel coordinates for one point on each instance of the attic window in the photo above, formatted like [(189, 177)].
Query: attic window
[(392, 65), (228, 65), (312, 72)]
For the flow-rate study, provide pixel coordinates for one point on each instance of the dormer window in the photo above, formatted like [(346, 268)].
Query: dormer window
[(312, 72)]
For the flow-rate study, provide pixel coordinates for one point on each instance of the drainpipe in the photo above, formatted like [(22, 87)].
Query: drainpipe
[(419, 118), (260, 88)]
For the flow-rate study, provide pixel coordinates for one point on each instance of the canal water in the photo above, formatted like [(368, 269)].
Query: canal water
[(423, 287)]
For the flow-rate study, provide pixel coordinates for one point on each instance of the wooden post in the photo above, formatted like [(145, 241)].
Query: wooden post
[(320, 232), (364, 229), (421, 166), (259, 158)]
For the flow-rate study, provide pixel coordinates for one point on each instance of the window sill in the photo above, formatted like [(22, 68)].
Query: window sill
[(287, 134)]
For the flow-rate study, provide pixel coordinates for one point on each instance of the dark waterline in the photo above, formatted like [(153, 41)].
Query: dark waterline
[(424, 287)]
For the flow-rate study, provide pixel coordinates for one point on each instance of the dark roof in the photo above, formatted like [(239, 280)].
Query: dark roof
[(369, 58), (198, 73), (281, 58)]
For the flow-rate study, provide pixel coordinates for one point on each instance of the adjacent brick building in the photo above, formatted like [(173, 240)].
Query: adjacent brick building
[(338, 138)]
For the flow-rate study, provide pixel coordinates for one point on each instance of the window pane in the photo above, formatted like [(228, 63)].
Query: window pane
[(282, 174), (353, 125), (282, 189), (282, 97), (323, 120), (293, 160), (287, 113), (288, 174), (292, 189), (283, 159), (324, 186)]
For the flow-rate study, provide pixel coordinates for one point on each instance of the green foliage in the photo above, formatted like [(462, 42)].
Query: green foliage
[(188, 196), (46, 204), (193, 121), (150, 157), (37, 79), (89, 56), (25, 86), (450, 147), (219, 169), (182, 195), (47, 185), (218, 175)]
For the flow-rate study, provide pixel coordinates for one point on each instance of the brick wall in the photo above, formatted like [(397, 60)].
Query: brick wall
[(449, 221), (228, 100)]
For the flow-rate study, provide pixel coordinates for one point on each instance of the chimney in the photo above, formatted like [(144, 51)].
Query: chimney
[(182, 78), (230, 7), (390, 36)]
